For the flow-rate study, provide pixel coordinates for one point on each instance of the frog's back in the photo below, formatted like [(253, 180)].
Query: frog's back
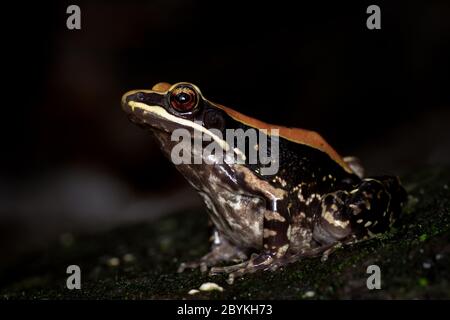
[(296, 136)]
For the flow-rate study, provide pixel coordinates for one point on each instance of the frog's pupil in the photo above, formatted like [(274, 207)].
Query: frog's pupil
[(183, 97)]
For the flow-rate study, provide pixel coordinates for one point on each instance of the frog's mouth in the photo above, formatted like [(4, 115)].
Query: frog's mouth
[(157, 118), (147, 114)]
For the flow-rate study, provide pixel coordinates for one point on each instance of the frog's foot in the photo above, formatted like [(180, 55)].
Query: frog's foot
[(219, 253), (263, 262), (271, 262)]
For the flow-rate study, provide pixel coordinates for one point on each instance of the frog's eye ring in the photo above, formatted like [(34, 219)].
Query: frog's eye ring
[(183, 99)]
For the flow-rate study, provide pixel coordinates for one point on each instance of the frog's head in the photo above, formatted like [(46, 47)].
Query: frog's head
[(168, 107)]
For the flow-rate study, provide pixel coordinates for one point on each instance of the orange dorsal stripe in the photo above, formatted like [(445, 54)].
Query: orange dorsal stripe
[(302, 136)]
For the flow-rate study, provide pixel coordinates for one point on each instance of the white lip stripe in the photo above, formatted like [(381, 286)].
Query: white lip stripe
[(161, 112)]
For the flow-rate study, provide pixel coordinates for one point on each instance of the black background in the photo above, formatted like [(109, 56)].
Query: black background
[(70, 157)]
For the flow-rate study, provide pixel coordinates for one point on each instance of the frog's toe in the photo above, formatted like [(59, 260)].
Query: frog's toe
[(234, 271), (227, 269), (262, 261), (212, 259), (202, 265)]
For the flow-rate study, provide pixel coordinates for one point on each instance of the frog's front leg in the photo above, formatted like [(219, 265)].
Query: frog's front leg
[(221, 251), (276, 226), (276, 237)]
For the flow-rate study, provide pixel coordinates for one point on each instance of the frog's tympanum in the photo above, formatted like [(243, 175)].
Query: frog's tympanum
[(315, 202)]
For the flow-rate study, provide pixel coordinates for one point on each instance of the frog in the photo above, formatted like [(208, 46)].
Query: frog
[(315, 202)]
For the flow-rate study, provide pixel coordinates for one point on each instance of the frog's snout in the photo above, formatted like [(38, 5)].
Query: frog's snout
[(124, 101), (135, 95)]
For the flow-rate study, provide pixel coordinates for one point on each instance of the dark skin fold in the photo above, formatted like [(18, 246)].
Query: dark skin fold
[(315, 201)]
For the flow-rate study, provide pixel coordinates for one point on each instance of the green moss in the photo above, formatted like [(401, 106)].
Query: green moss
[(423, 282), (413, 258)]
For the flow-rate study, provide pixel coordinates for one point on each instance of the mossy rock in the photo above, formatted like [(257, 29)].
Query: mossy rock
[(140, 262)]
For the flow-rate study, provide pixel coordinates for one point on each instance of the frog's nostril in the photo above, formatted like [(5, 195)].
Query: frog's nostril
[(140, 96), (137, 97)]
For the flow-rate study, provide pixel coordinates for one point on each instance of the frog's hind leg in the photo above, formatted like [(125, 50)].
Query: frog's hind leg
[(360, 213), (221, 251)]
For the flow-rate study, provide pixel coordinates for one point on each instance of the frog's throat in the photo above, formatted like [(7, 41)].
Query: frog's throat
[(162, 113)]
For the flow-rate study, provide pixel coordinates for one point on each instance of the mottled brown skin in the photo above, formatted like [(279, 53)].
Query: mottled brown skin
[(315, 201)]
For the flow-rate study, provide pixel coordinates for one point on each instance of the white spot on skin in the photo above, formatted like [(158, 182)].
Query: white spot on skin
[(368, 223), (272, 215), (359, 221), (330, 219), (312, 197), (281, 181), (300, 196), (288, 233), (356, 209), (269, 233), (282, 250), (216, 238)]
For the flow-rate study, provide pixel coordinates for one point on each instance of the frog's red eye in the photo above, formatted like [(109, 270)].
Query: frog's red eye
[(183, 99)]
